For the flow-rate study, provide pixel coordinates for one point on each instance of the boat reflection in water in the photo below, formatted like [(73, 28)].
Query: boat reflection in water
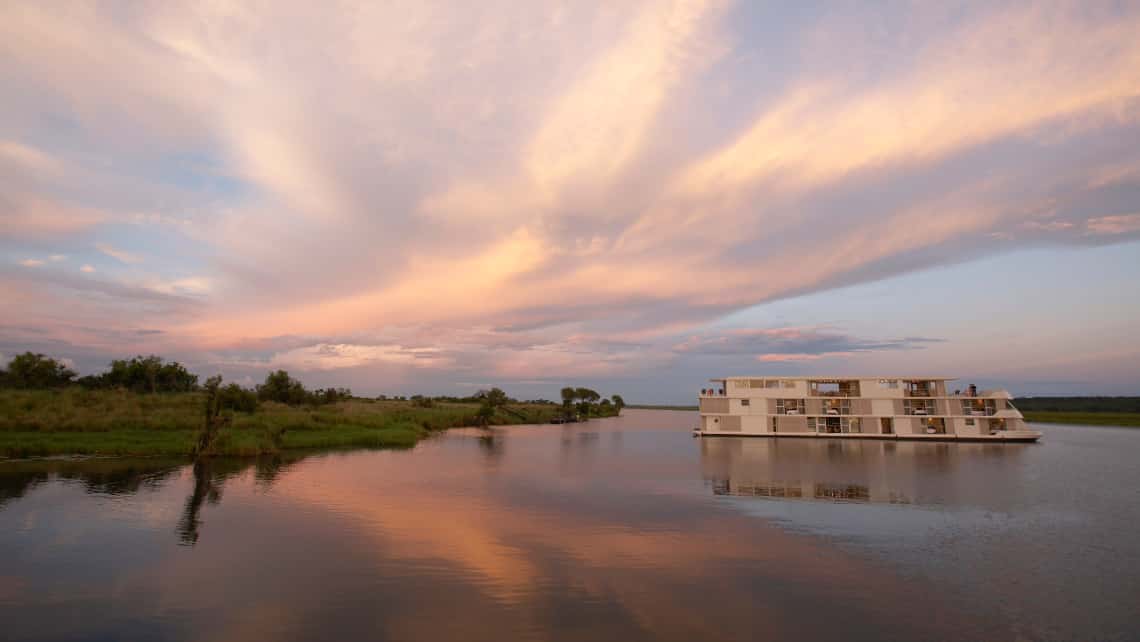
[(880, 472)]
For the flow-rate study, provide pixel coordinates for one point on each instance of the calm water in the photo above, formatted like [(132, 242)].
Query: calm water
[(620, 529)]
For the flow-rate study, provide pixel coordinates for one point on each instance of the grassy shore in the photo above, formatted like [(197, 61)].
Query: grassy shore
[(1083, 418), (116, 422)]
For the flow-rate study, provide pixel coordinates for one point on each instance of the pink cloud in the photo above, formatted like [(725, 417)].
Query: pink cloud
[(632, 182), (1118, 224), (776, 358)]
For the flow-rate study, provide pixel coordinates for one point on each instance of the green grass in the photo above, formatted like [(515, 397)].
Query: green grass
[(106, 422), (1085, 418)]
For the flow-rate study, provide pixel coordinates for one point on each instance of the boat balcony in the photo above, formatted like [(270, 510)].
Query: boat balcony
[(919, 407), (978, 407), (841, 388), (833, 406), (791, 407)]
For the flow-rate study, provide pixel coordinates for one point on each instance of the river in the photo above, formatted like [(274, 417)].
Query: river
[(618, 529)]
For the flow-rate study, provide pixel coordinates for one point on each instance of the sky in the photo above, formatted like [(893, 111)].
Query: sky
[(636, 196)]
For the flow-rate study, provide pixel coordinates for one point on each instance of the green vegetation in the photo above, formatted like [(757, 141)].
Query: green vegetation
[(147, 406), (1079, 404), (1091, 411), (1083, 418), (121, 422), (588, 404), (282, 388), (32, 370)]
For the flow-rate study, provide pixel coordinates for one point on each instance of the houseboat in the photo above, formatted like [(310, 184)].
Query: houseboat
[(859, 408)]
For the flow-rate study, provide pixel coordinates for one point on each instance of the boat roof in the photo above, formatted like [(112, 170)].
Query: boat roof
[(836, 379)]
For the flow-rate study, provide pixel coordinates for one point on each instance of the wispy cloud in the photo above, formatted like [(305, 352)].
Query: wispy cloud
[(604, 180), (117, 254), (1116, 224)]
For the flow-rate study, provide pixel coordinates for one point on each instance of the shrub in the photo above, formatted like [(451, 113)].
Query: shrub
[(34, 370), (282, 388), (234, 397), (145, 374)]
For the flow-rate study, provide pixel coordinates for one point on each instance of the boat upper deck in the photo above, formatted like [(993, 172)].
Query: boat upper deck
[(846, 387)]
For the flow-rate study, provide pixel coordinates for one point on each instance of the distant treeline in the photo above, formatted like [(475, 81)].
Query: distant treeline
[(1078, 404), (153, 375)]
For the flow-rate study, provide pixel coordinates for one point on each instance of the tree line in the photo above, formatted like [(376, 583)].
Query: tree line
[(584, 402), (153, 374)]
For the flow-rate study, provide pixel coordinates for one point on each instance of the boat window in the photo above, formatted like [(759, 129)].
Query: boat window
[(889, 383), (744, 402), (772, 383)]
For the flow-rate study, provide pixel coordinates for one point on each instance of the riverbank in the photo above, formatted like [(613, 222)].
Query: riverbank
[(1123, 419), (118, 422)]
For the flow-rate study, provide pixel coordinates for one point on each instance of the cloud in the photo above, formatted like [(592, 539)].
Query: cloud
[(31, 216), (189, 286), (120, 255), (1117, 224), (802, 356), (324, 356), (793, 343), (599, 182), (930, 110), (31, 262)]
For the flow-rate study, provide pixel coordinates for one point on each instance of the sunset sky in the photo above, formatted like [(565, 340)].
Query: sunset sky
[(636, 196)]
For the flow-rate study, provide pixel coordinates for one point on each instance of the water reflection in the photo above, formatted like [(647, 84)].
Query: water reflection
[(126, 476), (97, 476), (604, 530), (207, 487), (869, 471)]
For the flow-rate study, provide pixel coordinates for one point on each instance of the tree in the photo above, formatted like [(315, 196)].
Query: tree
[(234, 397), (282, 388), (492, 400), (568, 397), (147, 374), (34, 370), (587, 397), (215, 420), (619, 402), (586, 394), (584, 409)]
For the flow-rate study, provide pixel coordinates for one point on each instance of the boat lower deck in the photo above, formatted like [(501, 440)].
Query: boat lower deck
[(1009, 436)]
